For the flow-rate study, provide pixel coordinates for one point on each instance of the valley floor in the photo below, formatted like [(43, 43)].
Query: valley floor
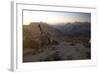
[(63, 51)]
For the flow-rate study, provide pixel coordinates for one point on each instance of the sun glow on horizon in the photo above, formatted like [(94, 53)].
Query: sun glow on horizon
[(54, 17)]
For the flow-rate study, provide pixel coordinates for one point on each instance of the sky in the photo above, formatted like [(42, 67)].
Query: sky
[(54, 17)]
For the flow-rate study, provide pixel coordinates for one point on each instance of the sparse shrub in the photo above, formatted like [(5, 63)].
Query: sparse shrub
[(56, 56), (54, 42), (72, 44), (53, 57)]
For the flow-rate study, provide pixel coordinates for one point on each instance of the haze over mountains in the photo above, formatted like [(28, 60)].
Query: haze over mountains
[(75, 29)]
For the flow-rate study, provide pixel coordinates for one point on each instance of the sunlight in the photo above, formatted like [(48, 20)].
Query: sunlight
[(53, 17)]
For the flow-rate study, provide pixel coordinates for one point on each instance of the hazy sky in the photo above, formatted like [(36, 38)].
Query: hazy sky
[(54, 17)]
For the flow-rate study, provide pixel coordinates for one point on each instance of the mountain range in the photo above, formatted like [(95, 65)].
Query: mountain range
[(75, 29)]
